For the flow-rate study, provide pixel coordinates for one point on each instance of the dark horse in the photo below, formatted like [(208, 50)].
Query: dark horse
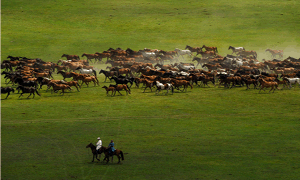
[(117, 153), (7, 90), (31, 90), (94, 151)]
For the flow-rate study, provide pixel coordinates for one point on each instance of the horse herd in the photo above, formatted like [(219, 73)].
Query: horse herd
[(148, 68)]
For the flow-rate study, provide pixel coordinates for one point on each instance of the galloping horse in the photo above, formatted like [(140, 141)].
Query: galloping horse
[(195, 49), (70, 57), (161, 86), (275, 53), (87, 71), (94, 151), (108, 74), (210, 48), (267, 84), (30, 90), (117, 153), (120, 87), (7, 90), (236, 49), (247, 54), (183, 52), (65, 74), (112, 89)]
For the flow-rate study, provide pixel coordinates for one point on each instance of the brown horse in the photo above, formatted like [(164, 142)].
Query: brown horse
[(57, 87), (94, 151), (148, 83), (214, 49), (178, 83), (195, 49), (275, 53), (117, 153), (91, 56), (73, 83), (70, 57), (89, 79), (267, 84), (120, 87), (112, 89)]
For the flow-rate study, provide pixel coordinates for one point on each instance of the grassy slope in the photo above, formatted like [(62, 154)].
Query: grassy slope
[(228, 134)]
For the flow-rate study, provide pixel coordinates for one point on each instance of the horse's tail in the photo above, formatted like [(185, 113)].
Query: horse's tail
[(122, 155)]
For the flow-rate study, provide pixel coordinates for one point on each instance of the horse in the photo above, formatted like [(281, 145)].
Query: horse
[(292, 81), (112, 89), (7, 90), (117, 153), (22, 82), (31, 90), (57, 87), (87, 71), (178, 83), (73, 83), (195, 49), (236, 49), (267, 84), (206, 54), (183, 52), (200, 61), (88, 79), (120, 87), (161, 86), (70, 57), (215, 49), (122, 80), (90, 56), (148, 83), (108, 74), (65, 74), (275, 53), (94, 151), (247, 54)]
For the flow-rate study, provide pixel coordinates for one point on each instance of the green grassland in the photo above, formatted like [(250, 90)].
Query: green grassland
[(204, 133)]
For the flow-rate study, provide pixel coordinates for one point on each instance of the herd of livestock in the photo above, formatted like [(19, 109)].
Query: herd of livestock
[(153, 68)]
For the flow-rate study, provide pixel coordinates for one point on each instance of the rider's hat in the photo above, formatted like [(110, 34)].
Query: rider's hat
[(98, 138)]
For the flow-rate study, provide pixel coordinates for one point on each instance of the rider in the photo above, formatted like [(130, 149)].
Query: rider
[(99, 144), (110, 147)]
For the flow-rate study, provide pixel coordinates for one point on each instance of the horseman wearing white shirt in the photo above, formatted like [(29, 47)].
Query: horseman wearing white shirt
[(99, 144)]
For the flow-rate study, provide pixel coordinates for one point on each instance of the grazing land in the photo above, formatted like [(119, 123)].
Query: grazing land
[(204, 133)]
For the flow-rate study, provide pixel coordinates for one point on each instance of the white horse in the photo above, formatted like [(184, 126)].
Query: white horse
[(185, 67), (183, 52), (236, 49), (148, 54), (293, 81), (87, 71), (161, 86)]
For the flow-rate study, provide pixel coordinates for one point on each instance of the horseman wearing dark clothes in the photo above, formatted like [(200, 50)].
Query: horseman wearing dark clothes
[(111, 148)]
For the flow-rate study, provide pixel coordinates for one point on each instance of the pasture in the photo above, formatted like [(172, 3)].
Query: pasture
[(204, 133)]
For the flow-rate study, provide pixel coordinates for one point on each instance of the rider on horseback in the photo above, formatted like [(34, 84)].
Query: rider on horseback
[(110, 147), (99, 144)]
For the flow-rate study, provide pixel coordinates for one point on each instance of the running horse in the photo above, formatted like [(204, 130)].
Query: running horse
[(275, 53), (70, 57), (195, 49), (266, 84), (210, 48), (7, 90), (236, 49), (94, 151)]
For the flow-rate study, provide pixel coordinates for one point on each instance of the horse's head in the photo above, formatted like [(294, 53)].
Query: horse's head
[(90, 145)]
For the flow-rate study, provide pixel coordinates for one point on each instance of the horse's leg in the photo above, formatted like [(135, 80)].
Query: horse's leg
[(8, 93), (29, 95)]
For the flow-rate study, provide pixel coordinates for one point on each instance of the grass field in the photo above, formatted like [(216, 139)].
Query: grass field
[(205, 133)]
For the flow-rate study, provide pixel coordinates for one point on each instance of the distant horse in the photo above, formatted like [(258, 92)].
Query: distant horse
[(183, 52), (94, 151), (275, 53), (57, 87), (215, 49), (31, 90), (195, 49), (247, 54), (70, 57), (117, 153), (236, 49), (91, 56), (7, 90)]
